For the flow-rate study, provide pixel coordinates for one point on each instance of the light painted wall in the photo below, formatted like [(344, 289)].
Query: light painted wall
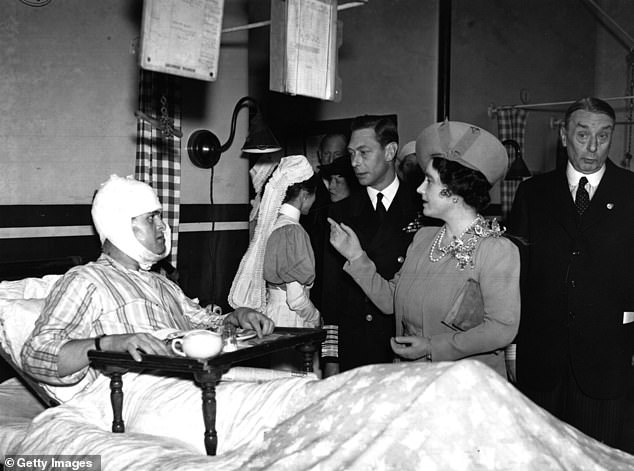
[(68, 82), (68, 91)]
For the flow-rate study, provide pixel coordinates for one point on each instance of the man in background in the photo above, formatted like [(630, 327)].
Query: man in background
[(340, 178), (381, 213), (407, 166), (331, 147), (576, 338)]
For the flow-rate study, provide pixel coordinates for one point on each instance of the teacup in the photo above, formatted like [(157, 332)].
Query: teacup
[(198, 344)]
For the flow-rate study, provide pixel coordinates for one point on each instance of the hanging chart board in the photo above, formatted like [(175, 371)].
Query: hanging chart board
[(182, 37), (303, 45)]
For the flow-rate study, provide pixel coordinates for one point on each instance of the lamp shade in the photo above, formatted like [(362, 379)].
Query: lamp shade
[(260, 139), (518, 169)]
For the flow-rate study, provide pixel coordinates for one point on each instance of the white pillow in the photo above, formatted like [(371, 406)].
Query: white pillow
[(28, 287), (17, 320), (21, 303)]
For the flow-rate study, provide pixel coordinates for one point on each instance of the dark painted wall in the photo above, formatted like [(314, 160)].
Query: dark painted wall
[(500, 49)]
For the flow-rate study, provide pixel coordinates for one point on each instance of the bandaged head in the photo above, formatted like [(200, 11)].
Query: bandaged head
[(248, 288), (469, 145), (116, 203)]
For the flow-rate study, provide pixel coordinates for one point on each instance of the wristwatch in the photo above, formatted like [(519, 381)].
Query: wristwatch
[(98, 342)]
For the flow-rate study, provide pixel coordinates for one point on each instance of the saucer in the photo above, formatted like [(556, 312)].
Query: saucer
[(245, 334), (167, 334)]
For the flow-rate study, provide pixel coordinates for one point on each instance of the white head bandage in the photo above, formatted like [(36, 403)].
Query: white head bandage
[(248, 288), (116, 203)]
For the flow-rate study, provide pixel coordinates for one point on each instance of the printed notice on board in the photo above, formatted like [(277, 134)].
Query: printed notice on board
[(304, 47), (182, 37)]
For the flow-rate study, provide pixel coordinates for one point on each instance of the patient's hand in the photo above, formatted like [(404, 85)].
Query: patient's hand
[(249, 319), (73, 356), (135, 344)]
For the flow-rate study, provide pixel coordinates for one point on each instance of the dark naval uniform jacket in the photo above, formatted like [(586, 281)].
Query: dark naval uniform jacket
[(364, 331)]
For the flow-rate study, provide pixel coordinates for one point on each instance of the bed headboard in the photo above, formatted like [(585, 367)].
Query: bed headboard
[(17, 270)]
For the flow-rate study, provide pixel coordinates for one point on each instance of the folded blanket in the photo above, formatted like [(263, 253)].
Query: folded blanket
[(407, 416)]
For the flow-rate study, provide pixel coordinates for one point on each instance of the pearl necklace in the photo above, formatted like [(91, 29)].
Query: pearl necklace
[(462, 250)]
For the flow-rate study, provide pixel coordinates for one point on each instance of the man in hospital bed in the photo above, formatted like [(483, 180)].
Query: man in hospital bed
[(113, 303), (398, 416)]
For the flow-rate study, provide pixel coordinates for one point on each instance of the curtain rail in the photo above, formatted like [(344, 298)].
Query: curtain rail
[(556, 122), (493, 110)]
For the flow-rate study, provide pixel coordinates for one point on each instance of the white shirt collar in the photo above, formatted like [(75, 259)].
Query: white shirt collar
[(290, 211), (574, 175), (389, 192)]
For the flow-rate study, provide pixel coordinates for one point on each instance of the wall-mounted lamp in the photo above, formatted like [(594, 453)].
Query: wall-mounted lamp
[(518, 169), (204, 148)]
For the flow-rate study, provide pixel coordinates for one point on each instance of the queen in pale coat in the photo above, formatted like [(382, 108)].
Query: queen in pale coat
[(464, 268)]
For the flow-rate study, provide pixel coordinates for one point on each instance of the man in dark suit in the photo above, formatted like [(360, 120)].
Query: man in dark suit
[(576, 337), (384, 213), (331, 148)]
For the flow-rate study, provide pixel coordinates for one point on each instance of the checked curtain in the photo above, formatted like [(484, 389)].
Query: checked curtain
[(511, 125), (158, 153)]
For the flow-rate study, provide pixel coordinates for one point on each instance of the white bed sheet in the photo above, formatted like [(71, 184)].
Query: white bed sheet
[(18, 407), (448, 416), (408, 416)]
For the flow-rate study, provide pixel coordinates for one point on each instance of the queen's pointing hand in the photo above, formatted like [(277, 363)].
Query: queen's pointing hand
[(344, 240)]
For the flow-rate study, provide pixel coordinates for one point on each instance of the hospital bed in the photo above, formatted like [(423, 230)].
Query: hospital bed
[(449, 416)]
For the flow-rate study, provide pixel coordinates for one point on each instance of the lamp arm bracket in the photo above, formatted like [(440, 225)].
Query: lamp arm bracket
[(244, 101)]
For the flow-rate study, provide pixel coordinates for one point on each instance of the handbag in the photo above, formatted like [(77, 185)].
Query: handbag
[(468, 309)]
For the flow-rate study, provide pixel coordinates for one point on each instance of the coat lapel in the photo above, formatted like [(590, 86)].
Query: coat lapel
[(600, 207), (604, 199), (362, 216), (564, 205), (395, 218)]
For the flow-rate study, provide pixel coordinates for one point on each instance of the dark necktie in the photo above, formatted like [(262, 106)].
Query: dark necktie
[(380, 209), (582, 198)]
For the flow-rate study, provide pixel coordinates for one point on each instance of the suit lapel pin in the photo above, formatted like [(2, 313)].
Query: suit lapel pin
[(609, 205)]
